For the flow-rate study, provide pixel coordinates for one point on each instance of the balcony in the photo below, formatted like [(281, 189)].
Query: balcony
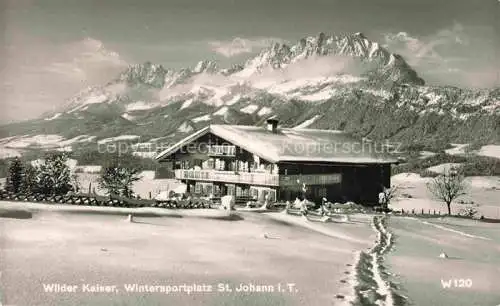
[(228, 177), (254, 178)]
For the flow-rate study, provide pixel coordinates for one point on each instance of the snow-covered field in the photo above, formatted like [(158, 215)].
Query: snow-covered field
[(42, 141), (425, 154), (9, 153), (78, 249), (487, 150), (141, 105), (222, 111), (307, 123), (250, 109), (202, 118), (444, 168), (128, 117), (186, 103), (88, 169), (319, 96), (265, 111), (470, 274), (458, 149), (185, 128), (95, 245), (482, 190), (118, 138), (490, 150), (14, 146), (71, 163)]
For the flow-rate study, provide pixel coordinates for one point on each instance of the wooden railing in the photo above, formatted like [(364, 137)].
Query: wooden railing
[(222, 150), (229, 177), (265, 179), (310, 179)]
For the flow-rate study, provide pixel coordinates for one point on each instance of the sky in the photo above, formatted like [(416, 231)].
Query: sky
[(52, 49)]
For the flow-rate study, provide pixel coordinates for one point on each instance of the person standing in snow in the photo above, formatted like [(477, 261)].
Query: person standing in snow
[(382, 199), (267, 200), (303, 207)]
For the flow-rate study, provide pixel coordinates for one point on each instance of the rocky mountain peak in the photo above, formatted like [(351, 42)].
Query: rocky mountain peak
[(146, 73), (233, 69), (357, 46), (205, 66)]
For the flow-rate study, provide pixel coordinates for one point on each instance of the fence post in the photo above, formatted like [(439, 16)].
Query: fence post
[(90, 187), (150, 195)]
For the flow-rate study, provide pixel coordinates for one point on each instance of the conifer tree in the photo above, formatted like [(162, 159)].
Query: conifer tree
[(15, 176), (54, 176)]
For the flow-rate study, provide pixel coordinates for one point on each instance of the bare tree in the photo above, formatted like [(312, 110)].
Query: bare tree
[(75, 183), (447, 187), (390, 193)]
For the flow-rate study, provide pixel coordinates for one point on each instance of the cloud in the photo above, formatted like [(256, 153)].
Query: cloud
[(312, 67), (39, 75), (402, 42), (86, 60), (455, 55), (426, 48), (240, 45)]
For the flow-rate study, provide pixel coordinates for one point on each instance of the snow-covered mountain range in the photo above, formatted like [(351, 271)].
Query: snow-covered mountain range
[(336, 82)]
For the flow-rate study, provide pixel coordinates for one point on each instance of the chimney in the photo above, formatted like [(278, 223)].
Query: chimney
[(272, 124)]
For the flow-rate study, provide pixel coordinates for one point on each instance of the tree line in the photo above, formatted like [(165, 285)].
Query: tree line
[(53, 176)]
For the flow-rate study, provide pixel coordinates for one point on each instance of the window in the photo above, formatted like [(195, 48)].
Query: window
[(220, 164), (197, 188), (209, 189), (321, 192), (230, 189), (232, 166), (216, 190), (254, 192), (242, 191), (272, 194)]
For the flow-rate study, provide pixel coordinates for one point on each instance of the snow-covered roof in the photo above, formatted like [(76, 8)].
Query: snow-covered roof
[(292, 144)]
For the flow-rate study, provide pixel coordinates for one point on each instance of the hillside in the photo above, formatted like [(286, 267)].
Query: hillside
[(344, 82)]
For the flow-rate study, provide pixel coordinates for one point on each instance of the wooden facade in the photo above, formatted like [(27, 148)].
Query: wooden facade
[(211, 165)]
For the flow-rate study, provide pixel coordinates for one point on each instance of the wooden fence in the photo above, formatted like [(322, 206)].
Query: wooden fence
[(111, 201)]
